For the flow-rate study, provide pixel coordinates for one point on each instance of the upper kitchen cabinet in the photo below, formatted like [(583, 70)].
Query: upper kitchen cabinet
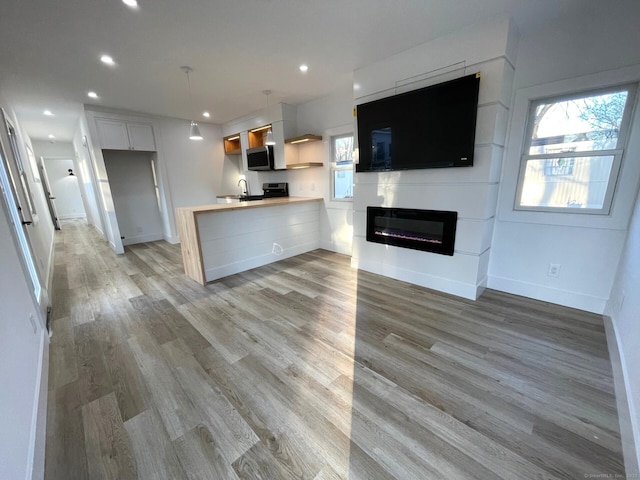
[(258, 136), (121, 135), (232, 145)]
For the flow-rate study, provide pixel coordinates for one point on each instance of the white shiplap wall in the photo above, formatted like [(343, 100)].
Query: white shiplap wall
[(472, 192)]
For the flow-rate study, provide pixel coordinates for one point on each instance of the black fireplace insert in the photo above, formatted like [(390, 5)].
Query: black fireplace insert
[(427, 230)]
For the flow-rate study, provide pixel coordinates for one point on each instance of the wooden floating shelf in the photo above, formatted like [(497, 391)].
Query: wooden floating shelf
[(308, 137), (297, 166)]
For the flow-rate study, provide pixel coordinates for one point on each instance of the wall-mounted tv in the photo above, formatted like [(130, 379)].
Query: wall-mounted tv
[(431, 127)]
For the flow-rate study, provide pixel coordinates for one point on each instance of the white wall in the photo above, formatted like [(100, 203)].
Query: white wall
[(134, 195), (197, 171), (23, 347), (64, 187), (624, 309), (472, 192), (100, 180), (21, 357), (42, 148), (573, 53), (85, 173), (328, 116)]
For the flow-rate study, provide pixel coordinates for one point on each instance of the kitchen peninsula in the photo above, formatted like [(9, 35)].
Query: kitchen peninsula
[(223, 239)]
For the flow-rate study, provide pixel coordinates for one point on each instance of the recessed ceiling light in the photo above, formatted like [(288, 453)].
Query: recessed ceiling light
[(107, 59), (48, 113), (206, 114), (130, 3), (303, 68), (92, 95), (51, 136)]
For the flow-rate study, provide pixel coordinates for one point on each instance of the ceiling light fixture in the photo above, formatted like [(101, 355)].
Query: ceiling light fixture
[(130, 3), (51, 136), (304, 68), (269, 140), (108, 60), (194, 130), (92, 95), (206, 114), (48, 113)]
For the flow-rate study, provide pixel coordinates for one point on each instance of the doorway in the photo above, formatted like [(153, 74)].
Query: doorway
[(135, 195), (62, 183)]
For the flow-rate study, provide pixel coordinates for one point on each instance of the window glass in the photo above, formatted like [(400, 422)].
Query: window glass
[(579, 124), (342, 167), (342, 184), (573, 151), (579, 182), (342, 149)]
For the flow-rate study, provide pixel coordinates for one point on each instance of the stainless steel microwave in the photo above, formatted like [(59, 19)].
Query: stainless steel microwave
[(260, 158)]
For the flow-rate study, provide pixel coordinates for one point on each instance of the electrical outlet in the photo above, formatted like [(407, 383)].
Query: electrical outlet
[(554, 270)]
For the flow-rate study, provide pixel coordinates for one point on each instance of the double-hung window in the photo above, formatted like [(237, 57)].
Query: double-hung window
[(342, 167), (573, 150)]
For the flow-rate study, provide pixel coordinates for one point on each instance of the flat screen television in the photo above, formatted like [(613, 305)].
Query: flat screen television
[(431, 127)]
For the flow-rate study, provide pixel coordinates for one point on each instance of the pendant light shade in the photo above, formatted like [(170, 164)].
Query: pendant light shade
[(269, 140), (194, 130)]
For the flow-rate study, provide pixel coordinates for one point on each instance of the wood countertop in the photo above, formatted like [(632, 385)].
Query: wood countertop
[(267, 202)]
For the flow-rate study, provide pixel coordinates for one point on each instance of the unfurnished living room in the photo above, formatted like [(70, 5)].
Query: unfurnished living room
[(335, 240)]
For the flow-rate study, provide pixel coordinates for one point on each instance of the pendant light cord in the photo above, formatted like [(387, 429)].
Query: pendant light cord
[(187, 70)]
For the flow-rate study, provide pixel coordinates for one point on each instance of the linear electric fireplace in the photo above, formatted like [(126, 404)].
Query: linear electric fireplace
[(428, 230)]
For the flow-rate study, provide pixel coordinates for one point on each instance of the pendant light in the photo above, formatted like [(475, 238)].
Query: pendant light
[(194, 130), (270, 140)]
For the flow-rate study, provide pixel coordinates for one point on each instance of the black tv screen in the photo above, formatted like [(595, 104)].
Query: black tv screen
[(431, 127)]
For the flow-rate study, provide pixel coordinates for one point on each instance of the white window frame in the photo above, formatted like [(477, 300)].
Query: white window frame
[(628, 177), (615, 153), (339, 167)]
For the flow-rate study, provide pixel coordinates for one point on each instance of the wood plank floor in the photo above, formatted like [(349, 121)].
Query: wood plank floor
[(309, 369)]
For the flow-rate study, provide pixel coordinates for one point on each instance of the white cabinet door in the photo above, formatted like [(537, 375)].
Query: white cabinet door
[(119, 135), (141, 137), (113, 134)]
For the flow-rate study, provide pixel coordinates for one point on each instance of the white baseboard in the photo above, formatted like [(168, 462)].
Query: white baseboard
[(540, 292), (142, 239), (630, 447), (72, 216), (342, 248), (39, 416), (50, 263), (440, 284), (173, 240)]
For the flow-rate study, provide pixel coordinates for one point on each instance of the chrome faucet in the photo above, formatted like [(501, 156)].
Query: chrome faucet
[(245, 191)]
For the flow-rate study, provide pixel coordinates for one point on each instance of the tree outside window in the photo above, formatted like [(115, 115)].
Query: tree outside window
[(573, 151), (342, 167)]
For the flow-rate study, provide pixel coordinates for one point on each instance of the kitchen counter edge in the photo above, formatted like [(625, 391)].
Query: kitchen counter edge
[(267, 202)]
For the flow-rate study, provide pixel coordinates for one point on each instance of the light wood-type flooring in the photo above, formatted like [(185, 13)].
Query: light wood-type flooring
[(307, 368)]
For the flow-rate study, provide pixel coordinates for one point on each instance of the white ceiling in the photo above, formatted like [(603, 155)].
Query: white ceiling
[(50, 49)]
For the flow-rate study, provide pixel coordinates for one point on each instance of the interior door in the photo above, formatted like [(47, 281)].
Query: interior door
[(48, 195), (9, 187)]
